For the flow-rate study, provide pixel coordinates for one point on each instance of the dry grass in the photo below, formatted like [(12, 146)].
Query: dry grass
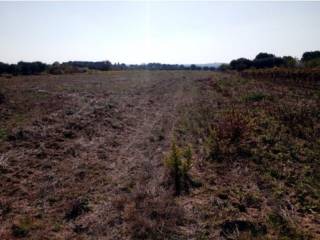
[(257, 145), (82, 157)]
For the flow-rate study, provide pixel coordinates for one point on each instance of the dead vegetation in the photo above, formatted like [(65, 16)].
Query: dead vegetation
[(158, 155), (258, 144)]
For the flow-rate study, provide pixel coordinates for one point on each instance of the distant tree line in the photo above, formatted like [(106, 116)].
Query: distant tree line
[(102, 65), (160, 66), (157, 66), (267, 60), (23, 68), (32, 68), (261, 61)]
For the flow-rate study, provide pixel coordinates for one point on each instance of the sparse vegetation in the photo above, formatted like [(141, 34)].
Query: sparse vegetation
[(266, 139), (159, 155)]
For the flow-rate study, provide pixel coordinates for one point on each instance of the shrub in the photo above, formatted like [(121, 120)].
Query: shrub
[(179, 164), (240, 64)]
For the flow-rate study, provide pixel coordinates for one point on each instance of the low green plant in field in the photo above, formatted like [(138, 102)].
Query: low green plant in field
[(179, 163), (3, 134), (23, 227), (57, 226), (255, 97)]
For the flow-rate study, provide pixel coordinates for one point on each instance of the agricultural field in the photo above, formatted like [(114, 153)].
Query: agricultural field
[(158, 155)]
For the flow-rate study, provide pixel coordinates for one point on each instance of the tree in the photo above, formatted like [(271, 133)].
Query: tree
[(194, 67), (289, 62), (28, 68), (311, 59), (101, 65), (263, 55), (224, 67), (4, 68), (240, 64), (308, 56), (267, 60)]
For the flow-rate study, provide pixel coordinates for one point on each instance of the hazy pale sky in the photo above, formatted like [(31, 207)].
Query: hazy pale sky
[(167, 32)]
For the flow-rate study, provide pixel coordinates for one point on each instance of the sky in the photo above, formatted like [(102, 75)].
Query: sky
[(167, 32)]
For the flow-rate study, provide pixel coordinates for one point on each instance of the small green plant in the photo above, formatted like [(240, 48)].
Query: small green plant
[(255, 97), (57, 227), (23, 227), (187, 161), (179, 163), (3, 134)]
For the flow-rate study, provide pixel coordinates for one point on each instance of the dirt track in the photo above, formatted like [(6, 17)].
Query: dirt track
[(85, 140)]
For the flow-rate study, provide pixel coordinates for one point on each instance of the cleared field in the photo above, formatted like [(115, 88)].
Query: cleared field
[(83, 157)]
